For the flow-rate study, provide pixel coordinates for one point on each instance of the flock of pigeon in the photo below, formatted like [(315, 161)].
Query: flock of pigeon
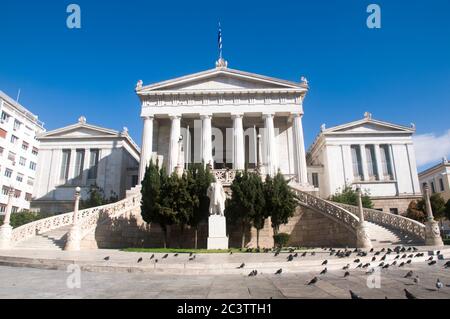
[(403, 257)]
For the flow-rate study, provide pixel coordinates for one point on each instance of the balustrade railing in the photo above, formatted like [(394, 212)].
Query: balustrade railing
[(88, 219), (390, 220)]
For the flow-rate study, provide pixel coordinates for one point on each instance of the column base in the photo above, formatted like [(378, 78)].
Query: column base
[(433, 234), (5, 236), (73, 239), (362, 237)]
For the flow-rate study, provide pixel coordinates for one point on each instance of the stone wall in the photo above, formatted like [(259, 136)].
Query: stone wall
[(307, 228), (387, 203)]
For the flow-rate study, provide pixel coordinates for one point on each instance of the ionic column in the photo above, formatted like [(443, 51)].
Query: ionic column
[(147, 146), (379, 164), (206, 140), (238, 142), (270, 145), (175, 132), (300, 154), (362, 149)]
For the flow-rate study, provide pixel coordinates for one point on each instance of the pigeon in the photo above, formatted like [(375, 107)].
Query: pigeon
[(401, 264), (346, 267), (430, 259), (165, 256), (374, 258), (290, 258), (431, 263), (386, 266), (384, 258), (231, 253), (411, 256), (190, 255), (354, 296), (371, 250), (439, 284), (394, 263), (291, 250), (139, 260), (241, 266), (381, 264), (408, 274), (325, 262), (377, 253), (409, 295), (192, 258), (404, 256), (397, 257), (304, 254), (176, 255), (106, 258), (152, 256), (313, 253), (383, 250), (359, 265), (253, 273), (313, 281), (346, 274), (323, 272), (156, 261), (409, 261), (296, 255), (415, 249), (447, 264), (366, 265), (356, 260), (276, 254), (371, 271), (279, 271), (416, 280)]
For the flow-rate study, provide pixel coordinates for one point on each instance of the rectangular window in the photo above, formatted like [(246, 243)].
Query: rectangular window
[(5, 117), (33, 166), (386, 162), (79, 164), (433, 189), (19, 178), (34, 151), (93, 164), (28, 197), (30, 181), (17, 125), (12, 156), (24, 145), (8, 172), (15, 209), (315, 179), (2, 133), (441, 184), (357, 163), (2, 208), (371, 162), (393, 211), (22, 161), (14, 139), (65, 163), (17, 193), (5, 190)]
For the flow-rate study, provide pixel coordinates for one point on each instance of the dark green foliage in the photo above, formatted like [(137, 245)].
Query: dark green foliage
[(413, 212), (417, 209), (97, 198), (281, 239), (280, 200), (447, 209), (350, 197)]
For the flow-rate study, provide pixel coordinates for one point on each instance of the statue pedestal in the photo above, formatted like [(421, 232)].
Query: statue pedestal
[(5, 236), (433, 234), (362, 237), (217, 238)]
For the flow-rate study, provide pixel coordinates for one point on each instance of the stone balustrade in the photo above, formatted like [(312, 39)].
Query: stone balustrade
[(399, 222)]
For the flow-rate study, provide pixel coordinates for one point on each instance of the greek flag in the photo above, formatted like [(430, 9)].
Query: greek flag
[(220, 41)]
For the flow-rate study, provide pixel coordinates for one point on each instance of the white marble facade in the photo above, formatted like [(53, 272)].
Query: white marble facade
[(227, 118), (83, 155)]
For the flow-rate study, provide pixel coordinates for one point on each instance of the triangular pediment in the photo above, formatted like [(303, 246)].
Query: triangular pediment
[(367, 126), (79, 131), (221, 79)]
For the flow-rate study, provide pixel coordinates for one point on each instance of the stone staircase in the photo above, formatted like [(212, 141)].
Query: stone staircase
[(52, 240), (384, 236)]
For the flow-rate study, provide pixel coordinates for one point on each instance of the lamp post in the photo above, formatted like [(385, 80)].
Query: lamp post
[(6, 228), (432, 232), (362, 237), (74, 234)]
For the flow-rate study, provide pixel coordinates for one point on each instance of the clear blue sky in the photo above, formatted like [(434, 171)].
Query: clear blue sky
[(400, 73)]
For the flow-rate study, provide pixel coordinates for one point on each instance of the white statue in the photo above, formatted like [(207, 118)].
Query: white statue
[(217, 199)]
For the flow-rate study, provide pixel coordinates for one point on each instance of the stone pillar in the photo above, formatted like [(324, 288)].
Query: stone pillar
[(259, 156), (175, 133), (6, 229), (270, 145), (362, 149), (238, 142), (206, 140), (74, 234), (432, 232), (362, 237), (300, 154), (378, 159), (179, 169), (147, 146)]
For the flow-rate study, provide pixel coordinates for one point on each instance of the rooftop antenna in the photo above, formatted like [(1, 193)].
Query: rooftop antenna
[(18, 96)]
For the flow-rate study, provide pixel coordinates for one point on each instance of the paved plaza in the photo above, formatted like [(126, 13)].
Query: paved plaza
[(26, 282)]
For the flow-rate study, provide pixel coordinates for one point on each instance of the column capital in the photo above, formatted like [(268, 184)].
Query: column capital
[(148, 117), (268, 115), (297, 114), (237, 115), (175, 117), (204, 116)]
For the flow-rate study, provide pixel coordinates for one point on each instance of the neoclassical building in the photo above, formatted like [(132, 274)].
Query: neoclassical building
[(227, 118), (438, 178)]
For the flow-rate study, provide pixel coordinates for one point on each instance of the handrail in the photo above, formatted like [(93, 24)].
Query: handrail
[(402, 223), (87, 218), (332, 210)]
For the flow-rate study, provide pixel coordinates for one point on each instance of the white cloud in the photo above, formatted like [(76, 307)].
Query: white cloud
[(430, 149)]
